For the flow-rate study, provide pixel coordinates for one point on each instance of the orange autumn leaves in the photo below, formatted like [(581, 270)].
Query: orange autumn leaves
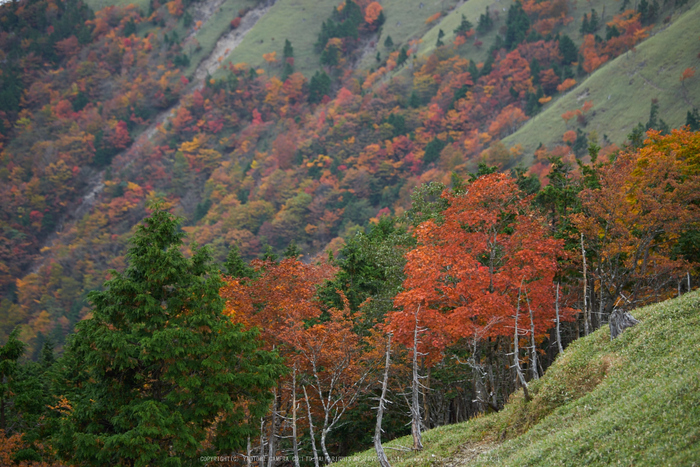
[(466, 272)]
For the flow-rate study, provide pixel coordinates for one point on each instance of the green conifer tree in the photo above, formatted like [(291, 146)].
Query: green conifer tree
[(159, 375)]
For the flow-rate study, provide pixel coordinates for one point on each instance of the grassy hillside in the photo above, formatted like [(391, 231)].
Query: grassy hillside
[(300, 22), (621, 90), (633, 401)]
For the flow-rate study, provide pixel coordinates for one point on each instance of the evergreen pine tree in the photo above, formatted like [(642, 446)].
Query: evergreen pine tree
[(292, 251), (517, 25), (584, 25), (485, 22), (594, 22), (403, 56), (439, 42), (288, 51), (692, 119), (464, 26), (235, 266), (159, 375), (389, 43), (568, 50)]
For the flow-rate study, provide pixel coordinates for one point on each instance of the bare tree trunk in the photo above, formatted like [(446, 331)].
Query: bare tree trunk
[(556, 308), (516, 352), (249, 453), (262, 441), (311, 428), (273, 430), (426, 402), (586, 318), (381, 455), (533, 348), (619, 321), (601, 305), (295, 444), (415, 390)]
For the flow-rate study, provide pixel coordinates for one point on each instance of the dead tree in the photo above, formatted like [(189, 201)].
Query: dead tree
[(311, 428), (381, 455), (620, 320), (516, 351), (416, 421), (295, 443), (585, 291), (556, 309)]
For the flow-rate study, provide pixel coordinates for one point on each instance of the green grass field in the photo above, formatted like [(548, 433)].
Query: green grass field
[(622, 90), (632, 401), (296, 20)]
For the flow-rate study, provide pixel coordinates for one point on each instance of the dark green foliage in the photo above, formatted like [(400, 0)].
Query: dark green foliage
[(464, 26), (202, 209), (482, 169), (342, 24), (584, 25), (371, 266), (181, 61), (398, 122), (433, 150), (235, 266), (517, 25), (656, 123), (288, 51), (594, 22), (319, 86), (692, 119), (292, 251), (636, 136), (378, 57), (530, 184), (439, 42), (269, 254), (389, 43), (403, 56), (130, 26), (414, 101), (580, 146), (159, 365), (535, 71), (25, 394), (532, 101), (426, 203), (485, 22), (648, 11), (559, 199), (611, 32), (473, 71), (568, 50)]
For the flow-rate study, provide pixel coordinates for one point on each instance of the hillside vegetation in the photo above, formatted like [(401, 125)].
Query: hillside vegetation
[(632, 401), (621, 91)]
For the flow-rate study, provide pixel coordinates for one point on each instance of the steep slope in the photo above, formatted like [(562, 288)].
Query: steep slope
[(632, 401), (621, 91)]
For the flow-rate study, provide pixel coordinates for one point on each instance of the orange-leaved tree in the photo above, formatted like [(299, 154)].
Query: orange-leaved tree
[(470, 274), (466, 272), (632, 223)]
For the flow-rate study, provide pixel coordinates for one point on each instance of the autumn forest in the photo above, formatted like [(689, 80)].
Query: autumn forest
[(286, 264)]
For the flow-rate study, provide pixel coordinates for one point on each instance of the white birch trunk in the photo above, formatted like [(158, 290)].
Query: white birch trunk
[(381, 455), (556, 308), (311, 428), (415, 390)]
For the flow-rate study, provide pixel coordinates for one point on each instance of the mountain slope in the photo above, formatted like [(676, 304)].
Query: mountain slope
[(632, 401), (621, 91)]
